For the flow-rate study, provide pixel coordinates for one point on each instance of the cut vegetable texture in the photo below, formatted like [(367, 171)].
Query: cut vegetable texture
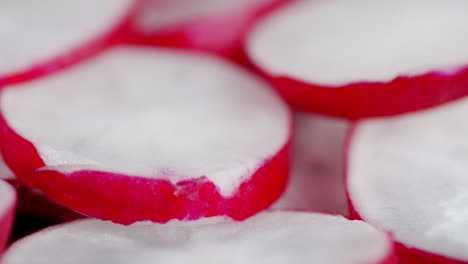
[(316, 182), (7, 211), (39, 37), (149, 134), (271, 237), (407, 174), (211, 25), (364, 58)]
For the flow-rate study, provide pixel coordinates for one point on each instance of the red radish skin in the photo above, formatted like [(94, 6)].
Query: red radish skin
[(221, 33), (316, 179), (408, 254), (127, 198), (77, 53), (404, 92), (269, 237), (7, 212)]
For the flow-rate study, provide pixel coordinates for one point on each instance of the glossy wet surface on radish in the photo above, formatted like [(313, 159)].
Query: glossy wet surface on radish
[(271, 237), (408, 174)]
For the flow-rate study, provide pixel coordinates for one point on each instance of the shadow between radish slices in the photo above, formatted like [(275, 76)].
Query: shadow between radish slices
[(7, 212), (213, 26)]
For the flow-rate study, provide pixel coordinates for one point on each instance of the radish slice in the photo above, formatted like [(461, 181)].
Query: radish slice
[(365, 58), (7, 211), (212, 25), (149, 134), (316, 182), (40, 37), (272, 237), (407, 174)]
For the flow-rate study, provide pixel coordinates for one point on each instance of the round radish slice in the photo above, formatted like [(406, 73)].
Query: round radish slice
[(149, 134), (37, 38), (7, 208), (365, 58), (316, 182), (407, 174), (276, 237), (212, 25)]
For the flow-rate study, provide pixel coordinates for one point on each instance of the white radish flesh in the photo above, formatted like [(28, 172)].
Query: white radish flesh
[(271, 237), (408, 174), (37, 32), (338, 42)]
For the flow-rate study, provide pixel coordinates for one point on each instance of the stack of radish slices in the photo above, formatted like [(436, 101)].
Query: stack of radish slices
[(174, 154)]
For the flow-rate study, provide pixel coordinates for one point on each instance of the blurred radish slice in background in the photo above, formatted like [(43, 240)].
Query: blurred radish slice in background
[(271, 237), (149, 134), (364, 58), (408, 174), (7, 212), (211, 25), (38, 37), (316, 182)]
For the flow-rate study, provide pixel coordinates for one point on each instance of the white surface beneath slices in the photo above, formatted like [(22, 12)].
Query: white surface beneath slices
[(409, 174), (317, 182), (160, 13), (271, 238), (336, 42), (156, 113), (7, 197), (32, 32)]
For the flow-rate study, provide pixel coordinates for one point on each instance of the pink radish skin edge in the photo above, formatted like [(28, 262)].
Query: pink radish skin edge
[(142, 199), (406, 254), (6, 220), (84, 51), (371, 99), (192, 34)]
